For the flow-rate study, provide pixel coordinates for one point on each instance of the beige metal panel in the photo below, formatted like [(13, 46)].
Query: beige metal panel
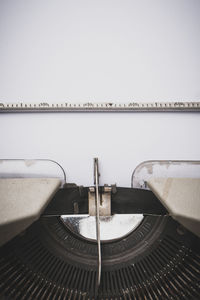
[(181, 197), (22, 201)]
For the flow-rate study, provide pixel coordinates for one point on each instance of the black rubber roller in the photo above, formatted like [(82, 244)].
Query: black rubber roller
[(159, 260)]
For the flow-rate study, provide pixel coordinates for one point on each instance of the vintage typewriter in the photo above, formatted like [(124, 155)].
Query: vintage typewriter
[(63, 241), (59, 240)]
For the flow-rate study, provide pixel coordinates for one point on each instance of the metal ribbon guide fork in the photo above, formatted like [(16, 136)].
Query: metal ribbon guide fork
[(97, 202)]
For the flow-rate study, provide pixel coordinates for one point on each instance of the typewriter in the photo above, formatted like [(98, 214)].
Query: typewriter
[(60, 240)]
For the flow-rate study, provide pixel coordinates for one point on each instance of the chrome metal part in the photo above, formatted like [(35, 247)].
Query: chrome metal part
[(96, 183), (164, 169), (101, 107), (111, 228), (31, 168), (104, 204)]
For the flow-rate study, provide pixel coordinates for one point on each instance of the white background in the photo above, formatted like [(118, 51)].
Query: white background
[(106, 50)]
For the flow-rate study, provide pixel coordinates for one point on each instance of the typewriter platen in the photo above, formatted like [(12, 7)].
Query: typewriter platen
[(62, 241)]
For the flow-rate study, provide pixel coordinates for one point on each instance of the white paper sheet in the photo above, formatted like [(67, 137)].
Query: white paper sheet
[(98, 51)]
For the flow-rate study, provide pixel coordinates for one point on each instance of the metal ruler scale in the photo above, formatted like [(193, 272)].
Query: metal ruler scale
[(22, 107)]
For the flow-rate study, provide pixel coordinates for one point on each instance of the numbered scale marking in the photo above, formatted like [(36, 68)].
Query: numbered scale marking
[(101, 107)]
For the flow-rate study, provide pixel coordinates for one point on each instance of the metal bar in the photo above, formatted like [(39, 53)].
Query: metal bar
[(96, 183), (100, 107), (67, 201)]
